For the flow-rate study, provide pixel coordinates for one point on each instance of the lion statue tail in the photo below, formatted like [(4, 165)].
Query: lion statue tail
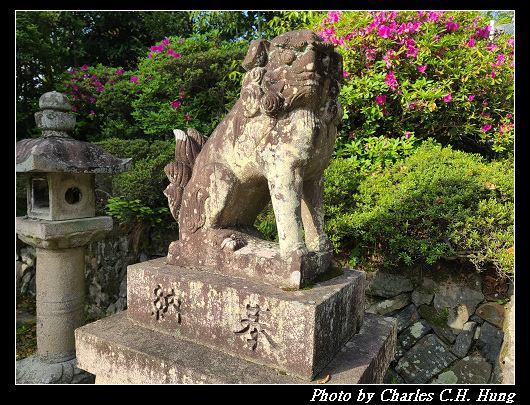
[(187, 147)]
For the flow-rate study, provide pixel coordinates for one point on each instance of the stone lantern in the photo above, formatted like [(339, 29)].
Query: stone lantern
[(60, 222)]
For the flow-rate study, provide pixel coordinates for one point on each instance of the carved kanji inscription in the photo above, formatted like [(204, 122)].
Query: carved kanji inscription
[(165, 302), (256, 327)]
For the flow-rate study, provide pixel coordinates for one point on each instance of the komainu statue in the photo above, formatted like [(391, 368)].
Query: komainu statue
[(273, 145)]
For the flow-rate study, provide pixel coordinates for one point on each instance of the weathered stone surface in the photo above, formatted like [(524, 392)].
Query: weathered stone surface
[(410, 336), (424, 294), (392, 304), (438, 321), (366, 357), (258, 259), (387, 285), (450, 295), (57, 154), (464, 340), (119, 351), (493, 312), (426, 359), (469, 370), (32, 370), (62, 234), (406, 317), (274, 144), (508, 346), (490, 341), (295, 331)]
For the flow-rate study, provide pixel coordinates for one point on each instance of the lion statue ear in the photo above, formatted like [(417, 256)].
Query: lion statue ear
[(257, 54)]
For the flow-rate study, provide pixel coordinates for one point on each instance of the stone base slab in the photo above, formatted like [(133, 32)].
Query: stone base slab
[(258, 259), (32, 370), (119, 351), (297, 332)]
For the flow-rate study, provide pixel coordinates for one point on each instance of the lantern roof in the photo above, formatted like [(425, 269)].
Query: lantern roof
[(56, 151)]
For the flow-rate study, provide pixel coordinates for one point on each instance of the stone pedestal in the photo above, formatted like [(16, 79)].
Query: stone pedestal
[(298, 332), (60, 279), (191, 325)]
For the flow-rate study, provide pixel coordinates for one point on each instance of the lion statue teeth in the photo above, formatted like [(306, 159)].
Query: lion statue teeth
[(274, 144)]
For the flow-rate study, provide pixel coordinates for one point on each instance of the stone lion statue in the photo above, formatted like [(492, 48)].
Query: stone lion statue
[(273, 145)]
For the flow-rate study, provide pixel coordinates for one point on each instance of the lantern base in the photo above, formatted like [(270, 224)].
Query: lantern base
[(32, 370)]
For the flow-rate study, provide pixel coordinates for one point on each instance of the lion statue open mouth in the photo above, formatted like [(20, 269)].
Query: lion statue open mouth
[(274, 144)]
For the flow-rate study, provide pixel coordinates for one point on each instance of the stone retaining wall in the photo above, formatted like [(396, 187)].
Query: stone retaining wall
[(448, 330)]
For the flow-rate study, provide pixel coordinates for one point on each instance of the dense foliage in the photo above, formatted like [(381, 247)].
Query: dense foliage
[(431, 74), (178, 83), (436, 203)]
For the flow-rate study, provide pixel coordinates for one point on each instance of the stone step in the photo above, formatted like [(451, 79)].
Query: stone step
[(119, 351), (298, 332)]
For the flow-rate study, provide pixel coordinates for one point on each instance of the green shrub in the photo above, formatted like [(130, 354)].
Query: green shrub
[(437, 203), (137, 195)]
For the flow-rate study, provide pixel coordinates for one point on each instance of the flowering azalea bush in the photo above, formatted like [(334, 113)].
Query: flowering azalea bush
[(432, 74), (84, 87), (179, 83), (185, 83)]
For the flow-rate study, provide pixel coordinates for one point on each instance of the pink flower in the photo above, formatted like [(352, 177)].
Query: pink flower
[(483, 32), (345, 73), (178, 55), (74, 108), (176, 104), (470, 98), (452, 26), (134, 79), (391, 80), (91, 112), (334, 16), (187, 117), (486, 127), (412, 52), (471, 43), (380, 99), (422, 68), (171, 52), (84, 67), (384, 31), (181, 94), (447, 98), (92, 100)]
